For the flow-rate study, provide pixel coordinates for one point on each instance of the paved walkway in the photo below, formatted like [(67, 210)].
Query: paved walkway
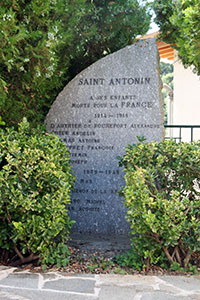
[(54, 285)]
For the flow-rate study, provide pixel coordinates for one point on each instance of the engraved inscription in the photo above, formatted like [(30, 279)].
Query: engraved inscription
[(114, 81), (100, 112)]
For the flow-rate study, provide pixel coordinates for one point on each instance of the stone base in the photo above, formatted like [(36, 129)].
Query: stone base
[(99, 242)]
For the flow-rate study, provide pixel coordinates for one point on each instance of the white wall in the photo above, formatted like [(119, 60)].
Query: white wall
[(186, 106)]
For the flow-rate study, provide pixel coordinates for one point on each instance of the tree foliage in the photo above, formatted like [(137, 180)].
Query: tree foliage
[(106, 27), (43, 44), (167, 77), (179, 25), (30, 70), (166, 73)]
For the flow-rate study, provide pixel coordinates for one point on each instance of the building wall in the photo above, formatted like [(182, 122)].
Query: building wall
[(186, 104)]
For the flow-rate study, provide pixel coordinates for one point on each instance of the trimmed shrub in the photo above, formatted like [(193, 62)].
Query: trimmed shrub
[(162, 196), (35, 185)]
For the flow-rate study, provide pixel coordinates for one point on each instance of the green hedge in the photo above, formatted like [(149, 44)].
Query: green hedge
[(35, 185), (162, 196)]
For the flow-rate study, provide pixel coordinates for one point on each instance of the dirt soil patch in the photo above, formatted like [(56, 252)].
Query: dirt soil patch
[(96, 254)]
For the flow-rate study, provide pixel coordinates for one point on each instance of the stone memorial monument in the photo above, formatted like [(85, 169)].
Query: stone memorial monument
[(97, 114)]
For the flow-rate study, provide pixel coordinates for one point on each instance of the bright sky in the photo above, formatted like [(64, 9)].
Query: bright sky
[(154, 27)]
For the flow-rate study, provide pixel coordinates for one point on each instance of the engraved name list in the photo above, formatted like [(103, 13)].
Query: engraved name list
[(99, 112)]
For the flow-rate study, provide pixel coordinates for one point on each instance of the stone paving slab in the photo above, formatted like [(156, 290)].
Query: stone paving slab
[(73, 285), (41, 295), (163, 296), (184, 282), (15, 285), (117, 293), (155, 287), (21, 280)]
